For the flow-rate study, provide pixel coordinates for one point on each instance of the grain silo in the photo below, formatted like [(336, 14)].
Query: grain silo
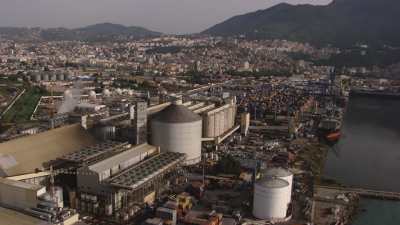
[(281, 173), (270, 199), (177, 129)]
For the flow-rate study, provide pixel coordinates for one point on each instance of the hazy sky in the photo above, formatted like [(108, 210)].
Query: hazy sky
[(169, 16)]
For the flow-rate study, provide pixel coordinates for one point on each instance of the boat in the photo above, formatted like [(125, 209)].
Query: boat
[(333, 137), (329, 130)]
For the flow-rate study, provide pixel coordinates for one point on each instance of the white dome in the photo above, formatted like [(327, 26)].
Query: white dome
[(67, 94), (92, 95), (106, 93), (118, 91), (177, 129)]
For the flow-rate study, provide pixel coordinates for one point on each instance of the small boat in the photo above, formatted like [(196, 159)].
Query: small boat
[(333, 137)]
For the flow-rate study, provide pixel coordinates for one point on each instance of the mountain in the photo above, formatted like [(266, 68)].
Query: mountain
[(341, 23), (97, 32)]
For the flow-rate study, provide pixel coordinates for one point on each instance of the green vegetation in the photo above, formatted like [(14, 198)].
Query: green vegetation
[(22, 110), (342, 23), (261, 73)]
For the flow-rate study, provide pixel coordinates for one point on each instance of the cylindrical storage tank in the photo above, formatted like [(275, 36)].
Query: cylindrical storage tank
[(45, 77), (53, 77), (221, 122), (211, 125), (60, 76), (270, 199), (37, 77), (281, 173), (58, 196), (177, 129), (109, 210), (68, 76)]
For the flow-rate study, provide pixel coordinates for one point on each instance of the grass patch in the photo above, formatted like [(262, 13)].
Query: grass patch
[(24, 107)]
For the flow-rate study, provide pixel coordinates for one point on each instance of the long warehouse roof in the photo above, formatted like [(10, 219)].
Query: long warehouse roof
[(24, 155), (122, 157), (147, 170), (93, 151), (12, 217)]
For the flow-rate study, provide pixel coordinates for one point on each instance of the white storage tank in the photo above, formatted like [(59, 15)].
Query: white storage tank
[(92, 95), (106, 93), (270, 199), (280, 173), (177, 129), (58, 196)]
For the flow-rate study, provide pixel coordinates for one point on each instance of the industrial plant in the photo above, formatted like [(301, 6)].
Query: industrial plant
[(201, 156)]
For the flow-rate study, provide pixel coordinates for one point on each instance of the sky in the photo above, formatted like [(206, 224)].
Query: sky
[(167, 16)]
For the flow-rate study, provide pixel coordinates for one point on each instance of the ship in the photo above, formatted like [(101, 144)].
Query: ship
[(329, 130), (333, 137)]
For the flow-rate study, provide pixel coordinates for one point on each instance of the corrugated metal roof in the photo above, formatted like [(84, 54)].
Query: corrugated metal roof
[(32, 151), (176, 114), (145, 171), (122, 157), (93, 151), (12, 217)]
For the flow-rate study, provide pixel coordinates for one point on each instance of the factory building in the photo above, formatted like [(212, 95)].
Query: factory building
[(119, 195), (113, 178), (177, 129), (89, 177), (24, 203)]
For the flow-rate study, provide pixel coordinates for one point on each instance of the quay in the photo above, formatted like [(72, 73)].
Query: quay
[(387, 195)]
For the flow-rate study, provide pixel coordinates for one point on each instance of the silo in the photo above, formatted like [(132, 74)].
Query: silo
[(53, 77), (281, 173), (45, 77), (68, 76), (270, 199), (57, 196), (210, 130), (37, 77), (177, 129), (60, 76)]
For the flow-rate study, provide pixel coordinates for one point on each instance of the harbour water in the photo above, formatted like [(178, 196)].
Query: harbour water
[(368, 156)]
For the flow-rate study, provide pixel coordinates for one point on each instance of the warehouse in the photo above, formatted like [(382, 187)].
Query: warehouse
[(26, 155)]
